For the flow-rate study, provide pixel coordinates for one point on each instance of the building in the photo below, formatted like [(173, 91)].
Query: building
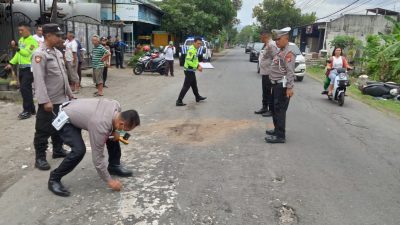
[(317, 36)]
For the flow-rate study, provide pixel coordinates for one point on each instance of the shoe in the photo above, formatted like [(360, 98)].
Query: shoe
[(42, 164), (172, 75), (24, 115), (200, 98), (324, 92), (122, 67), (62, 153), (58, 188), (270, 132), (119, 171), (180, 103), (267, 114), (261, 111), (274, 139)]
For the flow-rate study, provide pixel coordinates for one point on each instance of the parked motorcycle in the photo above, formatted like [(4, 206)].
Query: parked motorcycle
[(150, 62), (340, 85)]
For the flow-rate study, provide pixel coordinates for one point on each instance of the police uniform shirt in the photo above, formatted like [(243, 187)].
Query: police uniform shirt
[(266, 58), (283, 64), (96, 116), (50, 77)]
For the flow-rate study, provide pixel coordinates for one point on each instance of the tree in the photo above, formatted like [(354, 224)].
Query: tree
[(276, 14), (249, 33)]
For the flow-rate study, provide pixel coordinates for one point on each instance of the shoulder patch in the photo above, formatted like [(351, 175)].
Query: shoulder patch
[(38, 59), (289, 57)]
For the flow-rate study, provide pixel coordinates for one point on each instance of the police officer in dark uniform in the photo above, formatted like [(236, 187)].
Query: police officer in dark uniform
[(282, 79), (52, 89)]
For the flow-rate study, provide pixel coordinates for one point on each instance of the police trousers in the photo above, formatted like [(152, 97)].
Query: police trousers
[(44, 130), (72, 136), (280, 106), (190, 82), (266, 92), (25, 81)]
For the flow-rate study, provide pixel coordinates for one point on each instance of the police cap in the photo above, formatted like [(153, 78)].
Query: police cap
[(276, 34), (52, 28)]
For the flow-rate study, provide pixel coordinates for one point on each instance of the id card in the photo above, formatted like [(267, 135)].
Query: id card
[(60, 120), (284, 81)]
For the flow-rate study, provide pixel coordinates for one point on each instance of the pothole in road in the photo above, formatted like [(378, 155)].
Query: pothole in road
[(287, 216), (198, 131)]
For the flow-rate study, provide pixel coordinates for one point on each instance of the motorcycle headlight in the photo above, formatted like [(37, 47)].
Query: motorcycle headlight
[(342, 76)]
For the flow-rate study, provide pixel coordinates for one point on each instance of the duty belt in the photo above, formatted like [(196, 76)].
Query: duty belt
[(277, 81)]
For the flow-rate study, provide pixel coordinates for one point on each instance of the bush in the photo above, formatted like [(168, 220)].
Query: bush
[(134, 59)]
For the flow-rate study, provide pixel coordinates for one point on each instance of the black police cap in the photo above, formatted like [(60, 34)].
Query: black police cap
[(52, 28)]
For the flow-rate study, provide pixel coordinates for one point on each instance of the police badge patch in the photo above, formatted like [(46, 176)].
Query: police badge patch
[(38, 59)]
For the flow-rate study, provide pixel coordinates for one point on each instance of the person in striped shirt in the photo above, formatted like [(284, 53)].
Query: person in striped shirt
[(99, 56)]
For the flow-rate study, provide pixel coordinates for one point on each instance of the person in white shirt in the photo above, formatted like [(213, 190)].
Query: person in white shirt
[(39, 36), (71, 58), (169, 57)]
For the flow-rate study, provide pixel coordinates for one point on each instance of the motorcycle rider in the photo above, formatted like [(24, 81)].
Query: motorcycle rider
[(337, 61)]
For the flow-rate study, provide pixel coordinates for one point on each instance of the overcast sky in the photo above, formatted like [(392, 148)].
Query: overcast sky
[(325, 7)]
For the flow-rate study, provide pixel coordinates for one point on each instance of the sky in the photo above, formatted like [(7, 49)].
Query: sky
[(325, 7)]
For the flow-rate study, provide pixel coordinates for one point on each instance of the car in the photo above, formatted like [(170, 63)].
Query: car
[(204, 53), (255, 52), (249, 47), (300, 64)]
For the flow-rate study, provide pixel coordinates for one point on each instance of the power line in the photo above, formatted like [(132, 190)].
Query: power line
[(339, 10)]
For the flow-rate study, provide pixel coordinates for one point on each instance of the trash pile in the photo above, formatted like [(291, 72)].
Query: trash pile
[(381, 90)]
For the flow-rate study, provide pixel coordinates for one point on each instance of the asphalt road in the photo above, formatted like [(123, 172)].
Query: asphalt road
[(207, 163)]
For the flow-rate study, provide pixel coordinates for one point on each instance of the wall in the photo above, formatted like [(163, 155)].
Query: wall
[(358, 26)]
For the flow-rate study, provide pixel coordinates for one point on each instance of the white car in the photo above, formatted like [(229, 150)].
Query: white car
[(300, 64)]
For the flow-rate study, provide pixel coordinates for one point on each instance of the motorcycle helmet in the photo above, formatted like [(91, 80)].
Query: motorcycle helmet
[(146, 48), (394, 92)]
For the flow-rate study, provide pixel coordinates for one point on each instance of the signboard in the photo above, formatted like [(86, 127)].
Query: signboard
[(127, 12)]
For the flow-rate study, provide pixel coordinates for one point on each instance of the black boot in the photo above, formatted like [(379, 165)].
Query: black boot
[(267, 114), (40, 160), (119, 171), (275, 139), (262, 110), (200, 98), (180, 103), (58, 188), (59, 153), (270, 132)]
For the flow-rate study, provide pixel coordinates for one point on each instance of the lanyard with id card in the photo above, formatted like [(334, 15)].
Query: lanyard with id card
[(61, 119)]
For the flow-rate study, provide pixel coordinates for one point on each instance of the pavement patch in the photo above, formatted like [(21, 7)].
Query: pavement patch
[(198, 131)]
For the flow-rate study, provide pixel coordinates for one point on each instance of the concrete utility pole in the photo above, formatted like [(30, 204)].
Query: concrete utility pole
[(53, 18)]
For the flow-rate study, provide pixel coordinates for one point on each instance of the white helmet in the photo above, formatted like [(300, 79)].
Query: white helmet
[(394, 92)]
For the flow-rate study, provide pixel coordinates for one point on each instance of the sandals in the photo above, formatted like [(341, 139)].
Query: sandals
[(97, 95)]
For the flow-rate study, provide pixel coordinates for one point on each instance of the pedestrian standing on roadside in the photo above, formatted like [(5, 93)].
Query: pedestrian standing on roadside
[(39, 35), (80, 55), (190, 67), (265, 61), (99, 56), (105, 122), (52, 89), (282, 79), (71, 58), (107, 63), (119, 47), (26, 45), (170, 51)]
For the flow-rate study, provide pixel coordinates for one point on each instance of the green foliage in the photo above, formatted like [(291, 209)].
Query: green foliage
[(382, 54), (276, 14), (250, 33), (191, 17), (350, 46)]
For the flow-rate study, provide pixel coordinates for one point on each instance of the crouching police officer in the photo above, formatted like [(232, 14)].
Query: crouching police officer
[(105, 122), (282, 79), (52, 89)]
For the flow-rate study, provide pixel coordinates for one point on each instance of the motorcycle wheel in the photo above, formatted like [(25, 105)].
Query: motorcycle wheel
[(341, 99), (138, 70)]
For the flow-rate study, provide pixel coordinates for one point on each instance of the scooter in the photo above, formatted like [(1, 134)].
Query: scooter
[(339, 86), (150, 62)]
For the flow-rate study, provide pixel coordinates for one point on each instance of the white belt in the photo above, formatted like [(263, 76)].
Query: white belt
[(277, 81)]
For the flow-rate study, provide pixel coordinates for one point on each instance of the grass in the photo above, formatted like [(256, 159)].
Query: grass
[(387, 106)]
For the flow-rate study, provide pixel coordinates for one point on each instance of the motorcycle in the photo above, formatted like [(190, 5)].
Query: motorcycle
[(150, 62), (340, 85)]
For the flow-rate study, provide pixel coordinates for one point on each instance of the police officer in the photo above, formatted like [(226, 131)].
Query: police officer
[(52, 89), (103, 119), (282, 79), (265, 61), (190, 67), (26, 45)]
